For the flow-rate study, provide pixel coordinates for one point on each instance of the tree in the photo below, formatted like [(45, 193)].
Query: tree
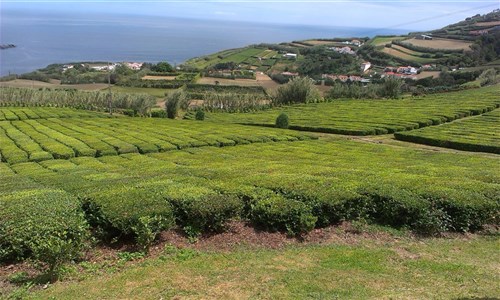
[(162, 67), (282, 121), (297, 90), (391, 87), (174, 101)]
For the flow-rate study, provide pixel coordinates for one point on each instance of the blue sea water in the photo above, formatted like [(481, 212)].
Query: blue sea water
[(45, 39)]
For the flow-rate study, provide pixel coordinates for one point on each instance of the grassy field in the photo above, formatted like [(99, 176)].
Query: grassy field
[(368, 117), (404, 269), (438, 43), (248, 56), (480, 133), (406, 55)]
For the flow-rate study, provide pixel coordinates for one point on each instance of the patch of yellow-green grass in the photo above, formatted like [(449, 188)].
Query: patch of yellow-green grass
[(404, 55), (402, 269)]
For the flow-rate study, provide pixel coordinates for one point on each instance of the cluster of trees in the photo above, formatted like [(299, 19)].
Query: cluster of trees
[(321, 60), (96, 100), (387, 88)]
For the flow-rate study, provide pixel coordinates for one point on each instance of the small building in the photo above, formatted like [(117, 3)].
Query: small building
[(365, 66), (356, 43), (343, 50), (353, 78), (423, 37), (409, 70), (343, 78), (290, 74), (133, 65), (290, 55)]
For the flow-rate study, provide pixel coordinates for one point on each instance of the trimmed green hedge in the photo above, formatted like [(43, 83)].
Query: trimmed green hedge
[(44, 224)]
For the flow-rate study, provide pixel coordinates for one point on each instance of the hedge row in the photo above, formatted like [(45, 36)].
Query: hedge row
[(369, 117), (24, 113), (478, 134), (244, 182), (43, 139)]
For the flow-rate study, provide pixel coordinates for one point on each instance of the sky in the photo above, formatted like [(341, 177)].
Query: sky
[(403, 14)]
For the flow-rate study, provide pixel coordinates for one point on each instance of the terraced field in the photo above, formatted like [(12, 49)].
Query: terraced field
[(369, 117), (480, 133), (406, 54), (43, 139), (247, 55)]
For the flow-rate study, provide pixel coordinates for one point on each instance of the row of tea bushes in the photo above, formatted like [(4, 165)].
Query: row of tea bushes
[(26, 113), (39, 222), (200, 189), (480, 134), (44, 139), (371, 117)]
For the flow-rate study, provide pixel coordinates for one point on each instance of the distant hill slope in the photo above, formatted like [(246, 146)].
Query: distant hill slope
[(472, 42)]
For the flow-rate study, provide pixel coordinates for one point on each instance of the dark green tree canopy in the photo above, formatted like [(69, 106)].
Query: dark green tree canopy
[(163, 67)]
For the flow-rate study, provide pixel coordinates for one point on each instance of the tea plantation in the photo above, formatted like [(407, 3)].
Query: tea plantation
[(69, 177), (370, 117), (480, 133), (42, 139), (291, 186), (25, 113)]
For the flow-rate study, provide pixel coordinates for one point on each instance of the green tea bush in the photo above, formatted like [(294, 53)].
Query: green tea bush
[(146, 228), (46, 225), (140, 210), (200, 115), (282, 121), (205, 213), (280, 214)]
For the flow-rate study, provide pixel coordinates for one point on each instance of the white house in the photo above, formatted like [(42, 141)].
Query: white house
[(365, 66), (290, 55)]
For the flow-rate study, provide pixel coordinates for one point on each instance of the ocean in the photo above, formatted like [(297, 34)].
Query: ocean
[(45, 39)]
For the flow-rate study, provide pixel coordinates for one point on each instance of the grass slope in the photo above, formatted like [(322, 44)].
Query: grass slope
[(405, 269)]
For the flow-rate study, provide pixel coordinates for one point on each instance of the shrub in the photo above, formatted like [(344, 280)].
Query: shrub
[(146, 228), (488, 77), (282, 121), (158, 114), (173, 102), (200, 115), (46, 225), (205, 213), (140, 210), (391, 87), (297, 90), (278, 213)]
